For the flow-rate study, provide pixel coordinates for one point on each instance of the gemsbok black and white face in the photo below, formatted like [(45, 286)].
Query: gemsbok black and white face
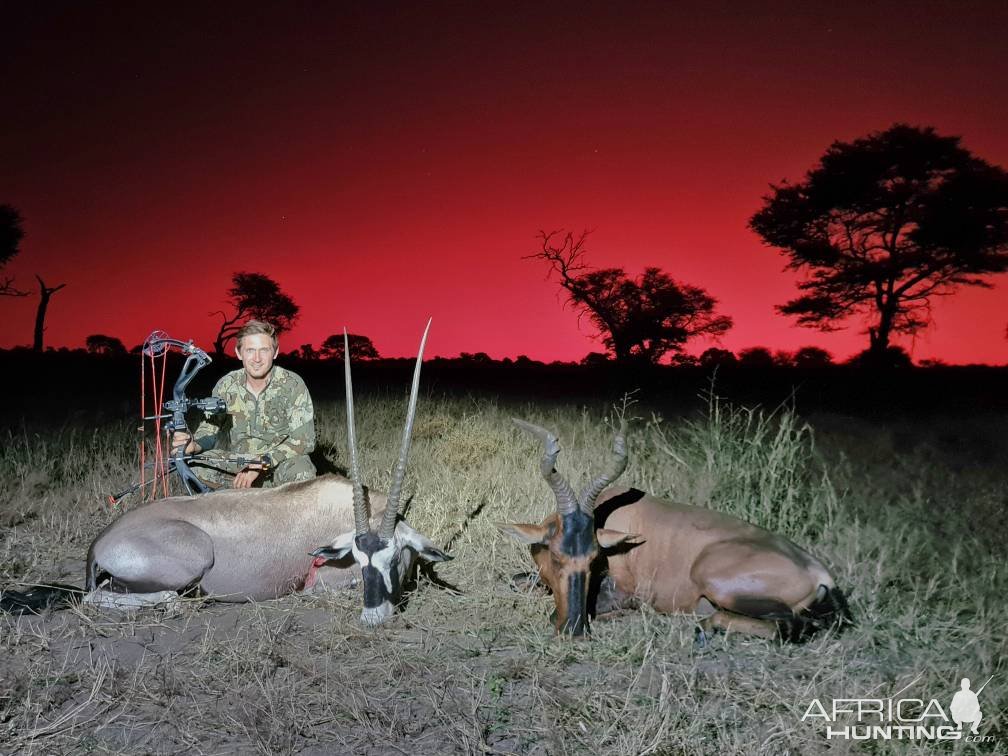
[(385, 565), (385, 554)]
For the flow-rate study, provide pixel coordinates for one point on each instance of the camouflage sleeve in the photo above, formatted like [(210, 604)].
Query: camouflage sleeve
[(206, 433), (301, 438)]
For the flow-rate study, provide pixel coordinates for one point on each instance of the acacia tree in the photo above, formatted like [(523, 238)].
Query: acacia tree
[(756, 357), (255, 295), (717, 357), (640, 319), (11, 234), (883, 224), (99, 343), (361, 347)]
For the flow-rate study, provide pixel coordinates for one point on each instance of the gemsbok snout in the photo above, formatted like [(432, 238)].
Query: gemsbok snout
[(613, 548), (254, 544)]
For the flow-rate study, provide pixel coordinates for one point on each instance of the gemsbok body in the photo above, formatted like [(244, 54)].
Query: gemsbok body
[(253, 544), (612, 548)]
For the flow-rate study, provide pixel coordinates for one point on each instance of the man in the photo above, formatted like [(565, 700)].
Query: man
[(269, 412)]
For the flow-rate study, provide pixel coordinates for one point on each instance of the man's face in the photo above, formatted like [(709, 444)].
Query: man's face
[(257, 354)]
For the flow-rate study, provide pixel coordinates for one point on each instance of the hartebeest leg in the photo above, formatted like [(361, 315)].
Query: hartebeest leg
[(611, 598), (739, 623)]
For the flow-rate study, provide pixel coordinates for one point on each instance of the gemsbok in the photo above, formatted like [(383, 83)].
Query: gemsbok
[(613, 548), (253, 544)]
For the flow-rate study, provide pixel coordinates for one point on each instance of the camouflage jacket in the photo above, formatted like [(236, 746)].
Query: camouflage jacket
[(280, 422)]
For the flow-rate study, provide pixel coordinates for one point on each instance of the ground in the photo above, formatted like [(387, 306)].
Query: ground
[(908, 513)]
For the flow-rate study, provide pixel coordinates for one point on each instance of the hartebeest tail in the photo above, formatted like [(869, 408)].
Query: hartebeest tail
[(676, 558)]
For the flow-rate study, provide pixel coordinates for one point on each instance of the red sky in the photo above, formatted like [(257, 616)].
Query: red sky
[(389, 165)]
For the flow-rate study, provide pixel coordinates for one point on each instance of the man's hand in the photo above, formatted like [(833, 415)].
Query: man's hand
[(248, 476), (180, 438)]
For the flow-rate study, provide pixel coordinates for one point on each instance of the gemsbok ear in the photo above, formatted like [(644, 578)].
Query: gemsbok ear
[(434, 554), (525, 532), (338, 549), (421, 544), (609, 538)]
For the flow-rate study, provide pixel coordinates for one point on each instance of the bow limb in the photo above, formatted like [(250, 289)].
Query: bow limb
[(196, 360)]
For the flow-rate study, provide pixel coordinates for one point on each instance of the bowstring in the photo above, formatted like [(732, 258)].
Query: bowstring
[(159, 475), (141, 428), (160, 470)]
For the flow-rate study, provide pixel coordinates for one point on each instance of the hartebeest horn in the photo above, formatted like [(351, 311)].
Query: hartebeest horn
[(360, 508), (399, 471), (566, 498), (616, 468)]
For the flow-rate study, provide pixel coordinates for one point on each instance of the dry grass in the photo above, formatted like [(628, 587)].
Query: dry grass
[(911, 536)]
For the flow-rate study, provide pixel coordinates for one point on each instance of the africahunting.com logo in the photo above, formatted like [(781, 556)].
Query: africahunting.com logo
[(898, 718)]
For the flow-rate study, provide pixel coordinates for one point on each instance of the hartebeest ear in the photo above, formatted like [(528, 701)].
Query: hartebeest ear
[(609, 538), (421, 544), (338, 548), (526, 532)]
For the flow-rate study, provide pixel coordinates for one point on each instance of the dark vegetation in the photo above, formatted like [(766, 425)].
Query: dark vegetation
[(106, 384)]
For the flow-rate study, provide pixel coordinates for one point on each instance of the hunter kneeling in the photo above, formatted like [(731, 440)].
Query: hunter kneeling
[(269, 415)]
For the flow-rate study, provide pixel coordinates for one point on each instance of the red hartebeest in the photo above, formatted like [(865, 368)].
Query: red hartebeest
[(617, 546)]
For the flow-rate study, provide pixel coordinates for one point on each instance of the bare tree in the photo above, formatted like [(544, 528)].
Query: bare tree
[(45, 293), (640, 319)]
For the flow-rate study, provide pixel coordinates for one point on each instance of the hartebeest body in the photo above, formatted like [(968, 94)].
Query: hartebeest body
[(615, 547), (251, 544)]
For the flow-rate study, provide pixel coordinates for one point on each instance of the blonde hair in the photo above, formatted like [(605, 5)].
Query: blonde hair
[(253, 327)]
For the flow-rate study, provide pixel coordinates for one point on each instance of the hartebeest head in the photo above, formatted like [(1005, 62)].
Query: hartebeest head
[(566, 543), (386, 554)]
